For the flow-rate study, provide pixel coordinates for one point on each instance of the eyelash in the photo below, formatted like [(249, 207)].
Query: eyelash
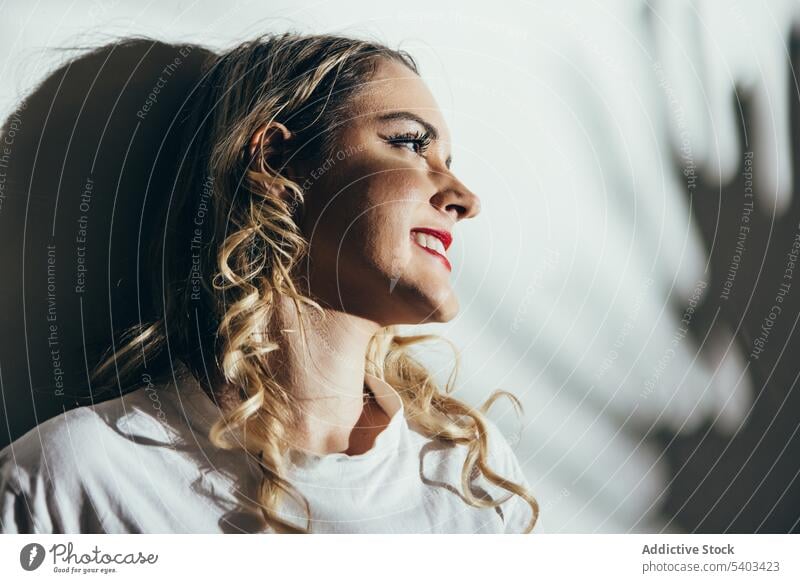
[(421, 139)]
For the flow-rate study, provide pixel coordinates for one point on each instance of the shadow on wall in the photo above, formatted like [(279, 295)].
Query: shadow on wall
[(85, 163), (750, 481)]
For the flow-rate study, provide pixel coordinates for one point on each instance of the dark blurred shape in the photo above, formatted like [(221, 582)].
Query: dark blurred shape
[(87, 163), (748, 482)]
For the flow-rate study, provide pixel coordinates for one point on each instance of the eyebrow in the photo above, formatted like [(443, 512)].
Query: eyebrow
[(409, 116)]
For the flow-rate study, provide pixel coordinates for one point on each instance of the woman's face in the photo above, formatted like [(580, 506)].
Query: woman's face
[(367, 206)]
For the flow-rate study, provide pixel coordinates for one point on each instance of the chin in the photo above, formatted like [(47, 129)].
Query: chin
[(450, 313), (422, 312), (413, 300), (442, 311)]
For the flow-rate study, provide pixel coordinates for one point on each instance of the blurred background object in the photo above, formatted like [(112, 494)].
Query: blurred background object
[(636, 166)]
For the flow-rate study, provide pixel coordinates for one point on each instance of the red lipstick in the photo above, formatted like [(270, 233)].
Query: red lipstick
[(443, 236)]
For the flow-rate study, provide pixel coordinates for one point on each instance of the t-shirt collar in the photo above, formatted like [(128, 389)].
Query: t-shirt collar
[(201, 411), (386, 442)]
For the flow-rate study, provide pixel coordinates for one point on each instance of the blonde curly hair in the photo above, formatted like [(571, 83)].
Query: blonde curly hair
[(230, 250)]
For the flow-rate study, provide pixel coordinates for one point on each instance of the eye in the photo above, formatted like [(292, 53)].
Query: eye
[(417, 142)]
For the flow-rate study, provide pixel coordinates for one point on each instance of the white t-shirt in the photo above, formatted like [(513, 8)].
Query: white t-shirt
[(142, 463)]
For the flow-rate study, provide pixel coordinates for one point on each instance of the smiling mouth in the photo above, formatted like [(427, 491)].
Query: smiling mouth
[(432, 244)]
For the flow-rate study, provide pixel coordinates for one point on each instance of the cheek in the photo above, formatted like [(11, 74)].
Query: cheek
[(365, 207), (385, 211), (372, 216)]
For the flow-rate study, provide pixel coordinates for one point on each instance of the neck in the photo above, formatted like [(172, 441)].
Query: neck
[(326, 376)]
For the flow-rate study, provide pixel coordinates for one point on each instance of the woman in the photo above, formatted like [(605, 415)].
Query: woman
[(313, 208)]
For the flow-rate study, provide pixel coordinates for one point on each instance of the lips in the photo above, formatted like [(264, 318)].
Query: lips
[(434, 241), (445, 237)]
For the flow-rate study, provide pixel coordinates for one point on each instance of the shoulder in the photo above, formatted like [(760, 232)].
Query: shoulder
[(504, 461), (51, 443), (47, 475), (31, 466), (501, 452), (445, 455), (66, 443), (442, 462)]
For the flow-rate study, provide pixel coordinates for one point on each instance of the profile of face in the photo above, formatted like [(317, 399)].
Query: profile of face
[(381, 210)]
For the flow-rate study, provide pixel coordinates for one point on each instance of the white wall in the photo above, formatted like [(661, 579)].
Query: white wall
[(574, 278)]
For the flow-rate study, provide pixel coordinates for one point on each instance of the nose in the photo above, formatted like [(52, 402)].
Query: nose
[(454, 198)]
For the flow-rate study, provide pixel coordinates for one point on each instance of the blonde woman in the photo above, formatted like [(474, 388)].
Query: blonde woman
[(313, 209)]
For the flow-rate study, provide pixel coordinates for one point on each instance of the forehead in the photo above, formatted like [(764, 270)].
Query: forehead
[(395, 87)]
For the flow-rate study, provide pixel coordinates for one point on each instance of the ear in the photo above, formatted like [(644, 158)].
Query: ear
[(269, 146)]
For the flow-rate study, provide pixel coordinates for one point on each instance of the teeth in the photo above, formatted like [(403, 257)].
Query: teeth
[(430, 242)]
